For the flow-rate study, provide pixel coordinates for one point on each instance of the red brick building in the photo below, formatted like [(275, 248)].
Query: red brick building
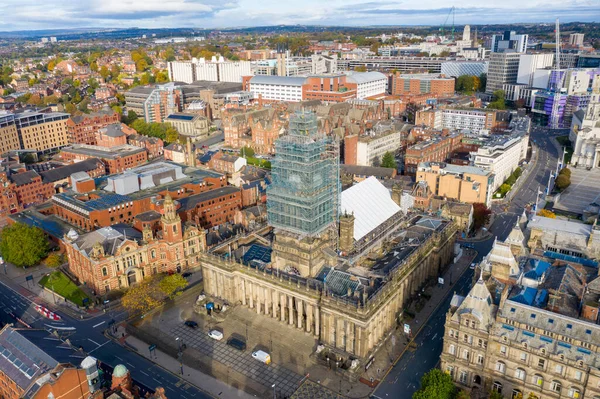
[(422, 83), (436, 149), (81, 129), (330, 88), (153, 145), (116, 159), (212, 208)]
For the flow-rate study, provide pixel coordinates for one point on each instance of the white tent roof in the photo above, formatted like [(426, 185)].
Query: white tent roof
[(371, 203)]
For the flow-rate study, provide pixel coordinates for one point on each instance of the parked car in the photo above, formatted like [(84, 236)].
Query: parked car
[(215, 334), (186, 274), (237, 344), (262, 356), (191, 323)]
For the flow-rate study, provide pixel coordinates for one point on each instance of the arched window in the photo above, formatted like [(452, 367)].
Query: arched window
[(538, 380), (520, 374), (500, 367), (574, 393), (153, 254), (497, 387), (104, 272), (543, 350), (555, 386)]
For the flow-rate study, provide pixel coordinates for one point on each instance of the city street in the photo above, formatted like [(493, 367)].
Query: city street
[(88, 334), (404, 378)]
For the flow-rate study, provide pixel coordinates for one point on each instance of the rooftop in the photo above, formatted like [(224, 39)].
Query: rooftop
[(104, 152), (455, 169), (278, 80)]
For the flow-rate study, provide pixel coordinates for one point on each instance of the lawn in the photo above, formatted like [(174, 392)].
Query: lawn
[(63, 286)]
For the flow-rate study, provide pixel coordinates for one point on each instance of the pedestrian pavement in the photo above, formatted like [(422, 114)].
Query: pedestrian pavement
[(210, 385)]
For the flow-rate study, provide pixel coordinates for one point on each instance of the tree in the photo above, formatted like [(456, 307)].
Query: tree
[(54, 260), (566, 172), (517, 172), (482, 81), (547, 214), (104, 72), (504, 188), (388, 161), (376, 162), (142, 297), (360, 68), (463, 395), (131, 116), (562, 182), (496, 395), (171, 135), (436, 384), (23, 245), (481, 215), (247, 152), (162, 77), (498, 100), (172, 285)]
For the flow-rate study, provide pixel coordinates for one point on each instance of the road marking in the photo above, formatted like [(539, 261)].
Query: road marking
[(99, 324), (156, 380), (147, 375), (93, 342), (100, 346)]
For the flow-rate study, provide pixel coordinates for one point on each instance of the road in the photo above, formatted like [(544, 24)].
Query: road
[(404, 378), (88, 333)]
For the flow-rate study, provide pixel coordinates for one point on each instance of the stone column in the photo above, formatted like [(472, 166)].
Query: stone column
[(340, 332), (300, 313), (243, 284), (282, 299), (259, 291), (267, 297), (291, 309), (350, 337), (309, 317), (251, 291), (275, 298), (317, 321)]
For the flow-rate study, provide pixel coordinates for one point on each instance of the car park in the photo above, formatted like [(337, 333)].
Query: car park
[(215, 334)]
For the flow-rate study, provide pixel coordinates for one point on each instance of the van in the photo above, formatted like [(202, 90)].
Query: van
[(237, 344), (262, 356)]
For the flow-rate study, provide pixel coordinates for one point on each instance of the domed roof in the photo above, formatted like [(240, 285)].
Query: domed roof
[(120, 371)]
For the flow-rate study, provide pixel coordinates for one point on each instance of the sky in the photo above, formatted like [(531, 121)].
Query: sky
[(54, 14)]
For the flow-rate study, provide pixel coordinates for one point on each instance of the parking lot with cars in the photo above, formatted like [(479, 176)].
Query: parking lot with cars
[(242, 361)]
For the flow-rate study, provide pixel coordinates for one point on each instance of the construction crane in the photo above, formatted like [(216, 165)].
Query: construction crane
[(443, 27)]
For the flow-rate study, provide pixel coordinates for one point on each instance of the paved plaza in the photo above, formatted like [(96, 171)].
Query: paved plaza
[(584, 190)]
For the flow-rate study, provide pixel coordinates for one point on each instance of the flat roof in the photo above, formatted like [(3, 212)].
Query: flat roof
[(278, 80), (104, 152)]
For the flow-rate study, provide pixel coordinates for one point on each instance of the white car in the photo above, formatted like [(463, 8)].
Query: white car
[(215, 334)]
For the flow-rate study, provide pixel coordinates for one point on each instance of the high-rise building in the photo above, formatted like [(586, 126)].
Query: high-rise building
[(216, 70), (42, 131), (155, 103), (503, 68), (576, 39), (303, 197), (509, 42), (529, 63)]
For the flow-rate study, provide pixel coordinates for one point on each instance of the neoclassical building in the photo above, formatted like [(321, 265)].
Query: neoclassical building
[(346, 312), (118, 256)]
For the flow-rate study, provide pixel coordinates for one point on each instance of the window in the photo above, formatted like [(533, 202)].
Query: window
[(463, 377), (520, 374), (500, 367), (538, 380), (523, 357), (578, 375), (466, 354), (497, 387), (104, 272), (558, 368), (555, 386), (452, 350), (574, 393), (541, 363), (543, 350), (480, 359), (503, 350)]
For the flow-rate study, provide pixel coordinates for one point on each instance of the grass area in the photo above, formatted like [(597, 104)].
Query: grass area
[(63, 286), (565, 142), (258, 162)]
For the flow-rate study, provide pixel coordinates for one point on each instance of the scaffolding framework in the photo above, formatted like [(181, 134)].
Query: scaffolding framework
[(303, 197)]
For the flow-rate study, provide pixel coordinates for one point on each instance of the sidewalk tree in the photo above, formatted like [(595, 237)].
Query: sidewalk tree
[(496, 395), (562, 182), (54, 260), (142, 297), (436, 385), (566, 172), (481, 215), (172, 285), (388, 161), (23, 245)]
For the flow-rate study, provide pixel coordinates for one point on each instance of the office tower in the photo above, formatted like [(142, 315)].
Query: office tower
[(503, 68), (509, 41)]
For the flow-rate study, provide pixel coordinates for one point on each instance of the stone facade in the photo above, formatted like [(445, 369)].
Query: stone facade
[(352, 325)]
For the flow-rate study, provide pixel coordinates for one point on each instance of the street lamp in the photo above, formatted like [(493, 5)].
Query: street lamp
[(180, 354)]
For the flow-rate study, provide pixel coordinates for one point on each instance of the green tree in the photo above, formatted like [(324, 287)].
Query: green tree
[(481, 215), (498, 100), (131, 116), (463, 395), (162, 77), (171, 135), (54, 260), (23, 245), (562, 182), (94, 66), (388, 161), (566, 172), (482, 81), (172, 285), (436, 385), (142, 297), (496, 395), (247, 151)]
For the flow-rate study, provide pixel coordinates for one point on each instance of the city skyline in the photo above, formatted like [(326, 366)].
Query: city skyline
[(31, 15)]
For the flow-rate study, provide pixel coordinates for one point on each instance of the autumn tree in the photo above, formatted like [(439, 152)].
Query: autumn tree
[(172, 285), (54, 260), (104, 72), (481, 215), (23, 245), (171, 135), (142, 297), (547, 214)]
